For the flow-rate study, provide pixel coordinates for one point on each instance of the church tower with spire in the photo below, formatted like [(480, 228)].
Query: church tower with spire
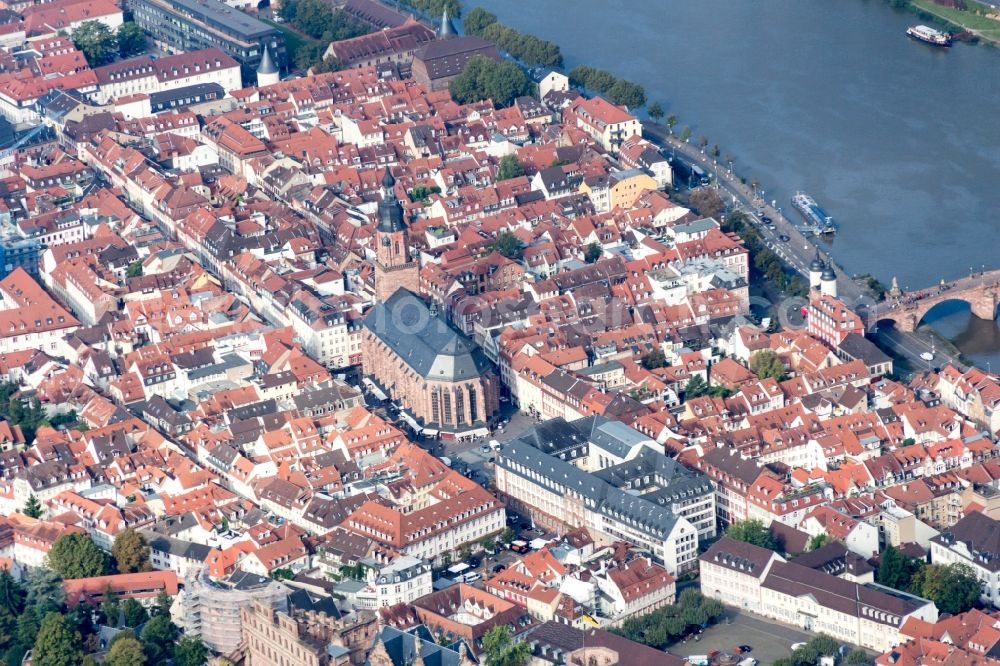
[(394, 267)]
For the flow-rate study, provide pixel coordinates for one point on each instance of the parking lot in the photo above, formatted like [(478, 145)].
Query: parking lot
[(769, 641)]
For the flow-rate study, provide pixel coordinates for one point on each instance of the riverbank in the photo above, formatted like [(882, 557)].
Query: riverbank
[(971, 21)]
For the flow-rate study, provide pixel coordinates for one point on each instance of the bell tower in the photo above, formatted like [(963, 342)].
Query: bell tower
[(394, 267)]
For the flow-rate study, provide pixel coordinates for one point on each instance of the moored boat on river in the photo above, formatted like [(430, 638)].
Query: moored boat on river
[(929, 35), (817, 221)]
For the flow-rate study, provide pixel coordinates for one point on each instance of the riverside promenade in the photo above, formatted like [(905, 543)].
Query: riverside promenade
[(798, 251)]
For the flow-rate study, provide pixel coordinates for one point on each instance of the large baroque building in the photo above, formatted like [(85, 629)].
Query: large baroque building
[(607, 477), (759, 580), (436, 374)]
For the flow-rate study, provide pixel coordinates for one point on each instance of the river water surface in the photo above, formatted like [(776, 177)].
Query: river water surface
[(897, 140)]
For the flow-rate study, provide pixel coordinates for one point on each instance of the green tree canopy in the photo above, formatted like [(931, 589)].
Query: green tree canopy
[(484, 78), (626, 93), (327, 64), (857, 657), (32, 507), (500, 649), (530, 50), (131, 552), (158, 637), (895, 569), (695, 388), (707, 201), (818, 541), (597, 80), (163, 603), (134, 613), (654, 359), (26, 631), (509, 246), (436, 7), (510, 167), (57, 643), (593, 252), (76, 556), (44, 591), (126, 652), (752, 531), (766, 364), (319, 20), (11, 593), (131, 40), (96, 41), (668, 623), (953, 588), (111, 607), (655, 111), (8, 628), (190, 651), (477, 20)]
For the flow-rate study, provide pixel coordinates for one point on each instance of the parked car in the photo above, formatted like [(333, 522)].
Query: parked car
[(743, 649), (474, 562)]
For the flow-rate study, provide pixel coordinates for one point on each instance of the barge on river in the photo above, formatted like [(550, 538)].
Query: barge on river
[(817, 221)]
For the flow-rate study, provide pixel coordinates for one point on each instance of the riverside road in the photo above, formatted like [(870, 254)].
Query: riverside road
[(798, 251)]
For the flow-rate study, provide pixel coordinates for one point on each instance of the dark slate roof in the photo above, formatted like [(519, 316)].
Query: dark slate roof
[(860, 347), (178, 547), (555, 637), (309, 601), (728, 460), (447, 57), (738, 556), (327, 396), (424, 340), (874, 603), (197, 91), (400, 646), (789, 539), (603, 492), (174, 524), (981, 536), (834, 558), (374, 13), (221, 16)]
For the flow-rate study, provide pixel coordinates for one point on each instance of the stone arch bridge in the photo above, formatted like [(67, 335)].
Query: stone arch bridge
[(906, 309)]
